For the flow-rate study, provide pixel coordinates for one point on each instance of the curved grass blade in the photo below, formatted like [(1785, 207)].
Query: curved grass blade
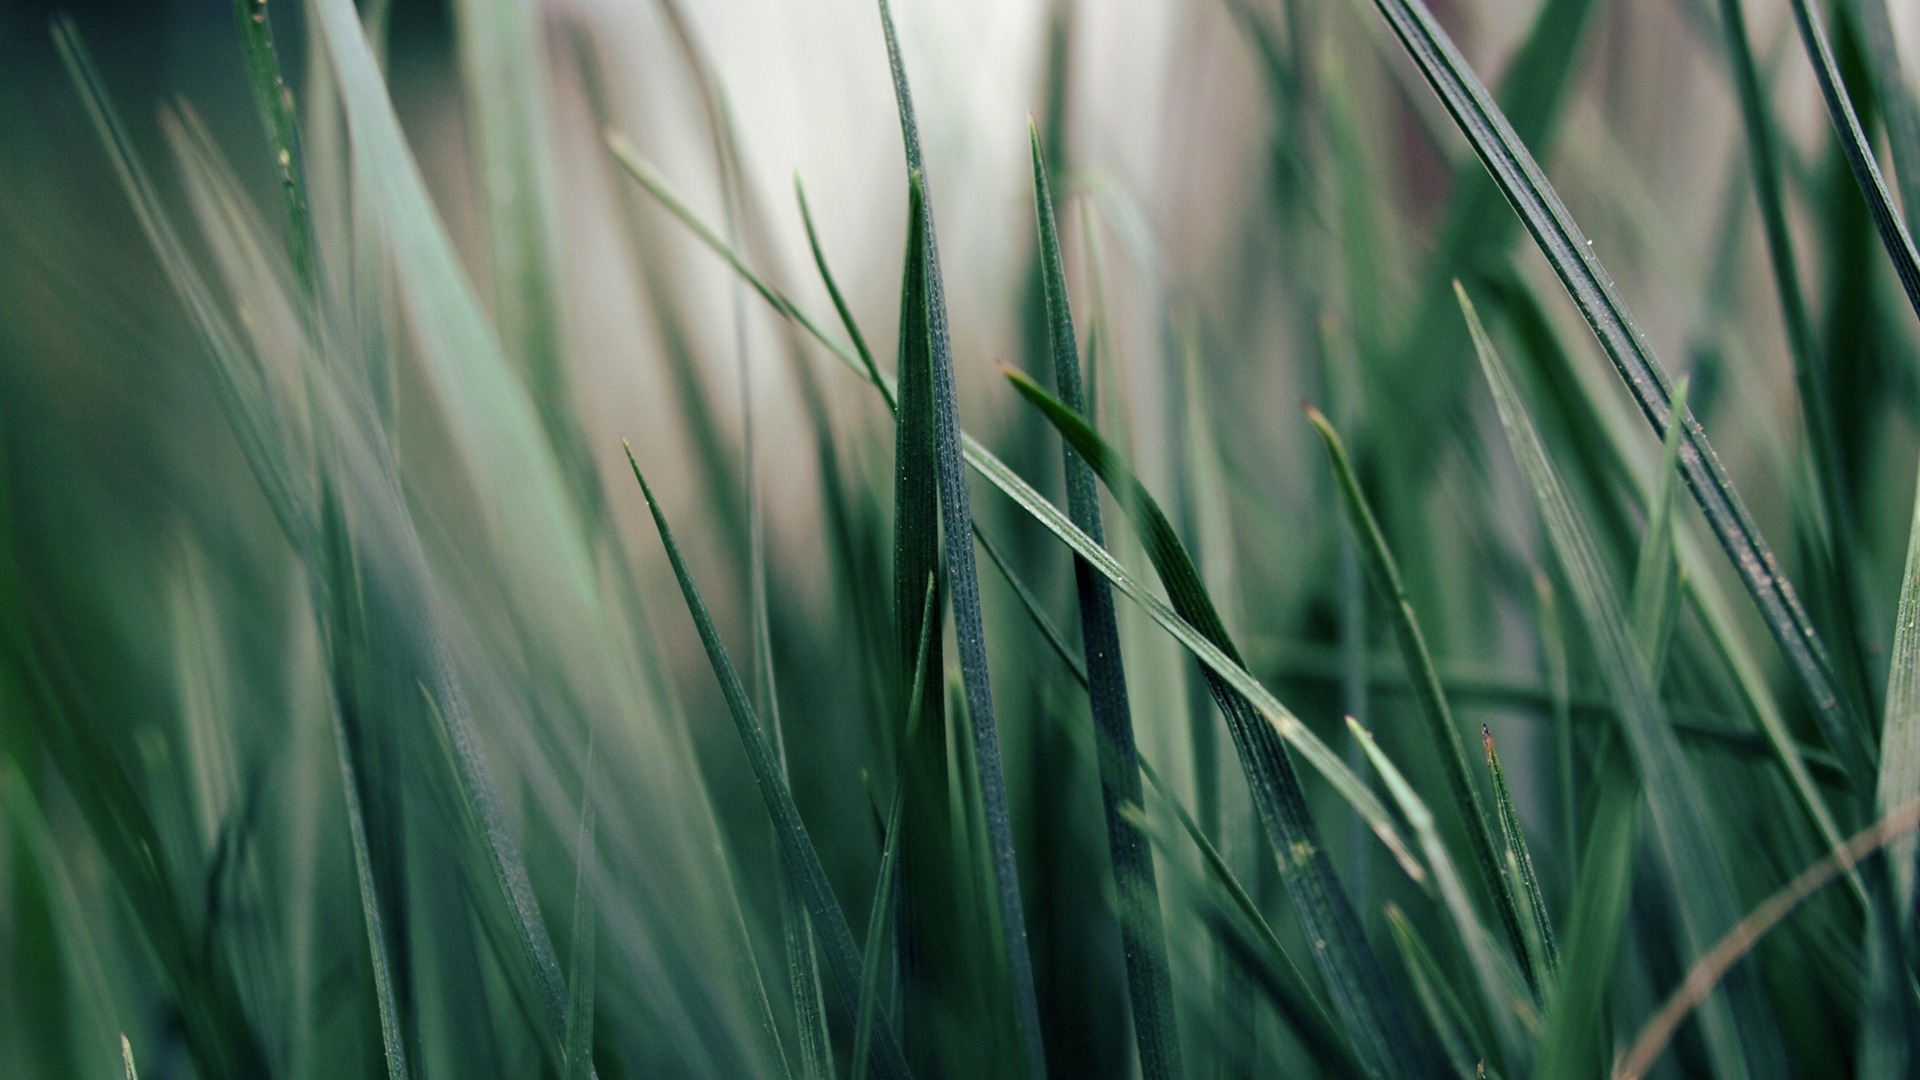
[(1367, 1005), (1519, 862), (843, 960), (1740, 939), (1144, 939), (1697, 878), (956, 517), (1442, 732), (890, 853), (1552, 227)]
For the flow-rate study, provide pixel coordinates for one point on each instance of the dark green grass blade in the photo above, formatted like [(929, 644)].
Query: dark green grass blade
[(1144, 938), (1526, 188), (890, 851), (1517, 859), (843, 959), (1367, 1005), (1701, 891), (1442, 732), (580, 952), (840, 300), (957, 518), (1897, 107), (1859, 152)]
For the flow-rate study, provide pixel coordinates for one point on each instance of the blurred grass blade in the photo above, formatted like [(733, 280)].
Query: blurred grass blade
[(580, 951), (1444, 1011), (126, 1057), (956, 517), (1442, 732), (1697, 879), (890, 851), (1859, 152), (1144, 938), (1739, 940), (1899, 777), (1367, 1005), (843, 959), (1576, 1041), (1518, 860), (1654, 605), (1502, 988), (1525, 186)]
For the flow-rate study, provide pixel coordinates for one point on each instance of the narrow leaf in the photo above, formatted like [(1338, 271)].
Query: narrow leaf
[(1519, 859)]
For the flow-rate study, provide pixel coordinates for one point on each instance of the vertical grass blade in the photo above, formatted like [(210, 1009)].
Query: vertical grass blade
[(1697, 878), (1655, 603), (843, 959), (957, 518), (1442, 733), (890, 851), (1144, 939), (1899, 778), (1520, 179), (1372, 1013), (581, 945), (1517, 860)]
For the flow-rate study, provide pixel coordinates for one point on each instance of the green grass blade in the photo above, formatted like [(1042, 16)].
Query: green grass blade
[(581, 948), (1897, 106), (1443, 1008), (1442, 732), (956, 518), (1518, 860), (275, 102), (890, 851), (1503, 991), (1899, 777), (1145, 945), (1655, 603), (1859, 152), (871, 369), (1576, 1043), (126, 1058), (1546, 218), (843, 959), (1697, 878), (1367, 1005)]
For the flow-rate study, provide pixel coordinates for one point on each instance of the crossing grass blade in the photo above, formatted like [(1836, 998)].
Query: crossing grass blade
[(1368, 1007), (1740, 1033), (1521, 180), (1503, 991), (829, 921), (1517, 861), (1896, 101), (1145, 945), (956, 517), (996, 472), (1655, 603), (1442, 1006), (1443, 734)]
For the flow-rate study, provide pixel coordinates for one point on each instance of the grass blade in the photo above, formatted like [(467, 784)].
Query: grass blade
[(1552, 227), (1365, 1001), (126, 1058), (1697, 878), (1442, 733), (1859, 152), (1145, 945), (580, 979), (1655, 603), (843, 960), (1518, 861), (956, 517), (1899, 777), (1711, 968), (890, 854)]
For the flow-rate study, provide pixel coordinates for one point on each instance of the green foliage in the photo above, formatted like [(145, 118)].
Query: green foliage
[(348, 728)]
